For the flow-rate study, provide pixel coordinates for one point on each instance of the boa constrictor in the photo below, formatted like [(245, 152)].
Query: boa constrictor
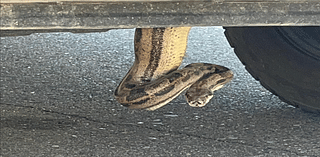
[(154, 79)]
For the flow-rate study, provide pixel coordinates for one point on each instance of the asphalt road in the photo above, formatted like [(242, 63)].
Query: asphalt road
[(57, 100)]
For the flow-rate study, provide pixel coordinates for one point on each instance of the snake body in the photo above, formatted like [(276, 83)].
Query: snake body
[(154, 79)]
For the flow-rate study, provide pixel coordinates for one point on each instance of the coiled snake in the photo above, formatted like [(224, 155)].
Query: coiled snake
[(154, 79)]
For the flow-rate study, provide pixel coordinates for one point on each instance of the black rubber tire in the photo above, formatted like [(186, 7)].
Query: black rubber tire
[(286, 61)]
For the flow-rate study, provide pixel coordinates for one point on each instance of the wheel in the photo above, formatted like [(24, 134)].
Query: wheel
[(286, 61)]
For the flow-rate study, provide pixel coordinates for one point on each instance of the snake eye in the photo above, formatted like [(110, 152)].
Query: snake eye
[(130, 86), (172, 77), (209, 67), (145, 80)]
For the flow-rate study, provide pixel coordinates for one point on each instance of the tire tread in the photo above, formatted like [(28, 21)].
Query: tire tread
[(256, 75)]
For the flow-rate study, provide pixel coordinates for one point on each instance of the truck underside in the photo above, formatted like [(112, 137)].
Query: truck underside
[(19, 17)]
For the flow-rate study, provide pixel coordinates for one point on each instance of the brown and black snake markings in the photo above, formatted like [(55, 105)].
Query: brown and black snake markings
[(154, 79)]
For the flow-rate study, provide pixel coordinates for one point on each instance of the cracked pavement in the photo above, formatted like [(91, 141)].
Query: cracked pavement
[(57, 100)]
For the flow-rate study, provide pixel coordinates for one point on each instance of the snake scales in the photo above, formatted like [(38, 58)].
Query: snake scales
[(154, 79)]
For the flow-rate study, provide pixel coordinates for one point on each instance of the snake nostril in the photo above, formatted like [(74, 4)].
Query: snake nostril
[(220, 69)]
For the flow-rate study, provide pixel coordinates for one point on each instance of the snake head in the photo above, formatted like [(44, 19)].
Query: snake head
[(199, 98)]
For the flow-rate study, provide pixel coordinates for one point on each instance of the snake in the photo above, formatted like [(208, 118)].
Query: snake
[(155, 78)]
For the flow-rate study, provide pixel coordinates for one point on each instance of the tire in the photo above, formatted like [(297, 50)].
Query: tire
[(286, 61)]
